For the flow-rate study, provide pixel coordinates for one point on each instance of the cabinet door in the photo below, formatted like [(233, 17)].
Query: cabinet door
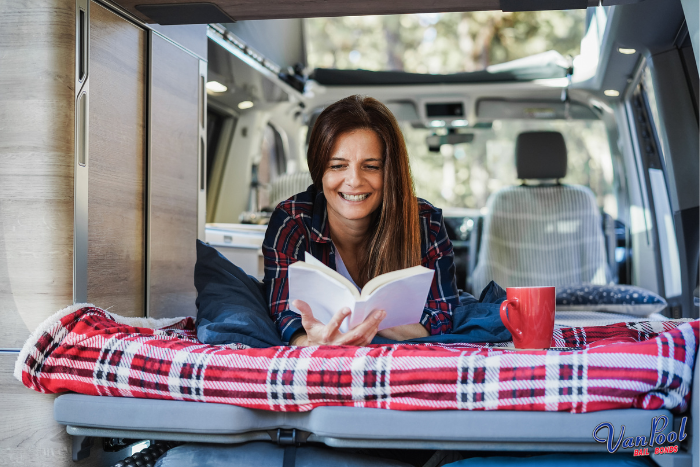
[(116, 230), (173, 179)]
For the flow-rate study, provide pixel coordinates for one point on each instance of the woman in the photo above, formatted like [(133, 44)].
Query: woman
[(361, 218)]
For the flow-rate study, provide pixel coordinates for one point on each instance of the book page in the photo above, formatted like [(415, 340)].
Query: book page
[(392, 276), (311, 261), (323, 292), (403, 300)]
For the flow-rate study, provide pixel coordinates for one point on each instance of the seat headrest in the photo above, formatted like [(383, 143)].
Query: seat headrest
[(540, 154)]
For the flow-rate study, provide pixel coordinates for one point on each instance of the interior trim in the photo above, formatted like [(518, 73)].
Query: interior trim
[(81, 148)]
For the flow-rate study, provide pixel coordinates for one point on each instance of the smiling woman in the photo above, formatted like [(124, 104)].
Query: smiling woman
[(361, 218), (357, 148)]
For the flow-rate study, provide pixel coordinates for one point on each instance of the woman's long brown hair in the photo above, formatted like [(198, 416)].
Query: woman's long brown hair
[(395, 237)]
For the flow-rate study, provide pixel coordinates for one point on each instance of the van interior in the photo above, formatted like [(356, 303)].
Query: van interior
[(130, 129)]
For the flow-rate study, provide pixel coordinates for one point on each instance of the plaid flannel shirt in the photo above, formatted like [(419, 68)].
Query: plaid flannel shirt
[(300, 224)]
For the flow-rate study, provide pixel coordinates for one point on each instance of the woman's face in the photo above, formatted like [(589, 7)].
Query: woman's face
[(353, 182)]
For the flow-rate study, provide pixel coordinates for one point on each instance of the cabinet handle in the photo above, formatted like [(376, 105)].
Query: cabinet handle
[(82, 129), (202, 163), (202, 100)]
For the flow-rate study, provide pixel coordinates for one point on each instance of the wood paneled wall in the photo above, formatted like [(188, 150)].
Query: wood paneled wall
[(116, 230), (173, 182), (36, 163)]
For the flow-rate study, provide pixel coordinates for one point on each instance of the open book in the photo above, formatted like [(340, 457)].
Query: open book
[(402, 294)]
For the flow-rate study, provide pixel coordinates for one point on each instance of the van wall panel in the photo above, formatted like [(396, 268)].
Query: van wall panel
[(116, 231), (173, 179), (29, 436), (37, 41)]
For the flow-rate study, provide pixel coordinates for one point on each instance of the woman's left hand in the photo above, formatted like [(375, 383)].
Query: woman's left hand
[(405, 332)]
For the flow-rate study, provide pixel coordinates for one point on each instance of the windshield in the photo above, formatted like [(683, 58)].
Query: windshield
[(440, 43), (465, 175)]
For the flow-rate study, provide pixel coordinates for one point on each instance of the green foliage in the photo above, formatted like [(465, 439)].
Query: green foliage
[(440, 42)]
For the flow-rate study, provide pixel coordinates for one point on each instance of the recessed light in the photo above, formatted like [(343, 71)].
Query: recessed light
[(245, 105), (625, 51), (437, 123), (459, 123), (611, 93), (215, 86)]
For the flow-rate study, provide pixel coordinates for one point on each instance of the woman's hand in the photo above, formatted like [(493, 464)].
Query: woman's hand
[(405, 332), (319, 334)]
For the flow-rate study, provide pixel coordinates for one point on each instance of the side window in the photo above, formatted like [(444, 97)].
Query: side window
[(651, 136), (273, 164), (220, 128)]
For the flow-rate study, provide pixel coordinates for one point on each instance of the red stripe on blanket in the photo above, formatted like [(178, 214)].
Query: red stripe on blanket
[(646, 365)]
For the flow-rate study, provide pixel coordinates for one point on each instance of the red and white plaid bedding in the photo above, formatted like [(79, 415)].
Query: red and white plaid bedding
[(646, 365)]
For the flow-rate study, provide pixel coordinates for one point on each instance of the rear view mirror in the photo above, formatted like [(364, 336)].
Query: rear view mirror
[(435, 141)]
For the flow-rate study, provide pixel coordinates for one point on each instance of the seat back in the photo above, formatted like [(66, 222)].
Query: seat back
[(545, 235), (548, 236)]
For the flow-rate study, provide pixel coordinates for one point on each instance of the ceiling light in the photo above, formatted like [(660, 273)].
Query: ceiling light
[(622, 50), (437, 123), (215, 86), (611, 93), (459, 123), (245, 105)]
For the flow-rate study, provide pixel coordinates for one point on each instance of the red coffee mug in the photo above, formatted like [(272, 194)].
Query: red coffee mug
[(528, 313)]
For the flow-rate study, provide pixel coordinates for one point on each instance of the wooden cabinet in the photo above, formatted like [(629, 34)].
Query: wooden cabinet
[(175, 100), (117, 163)]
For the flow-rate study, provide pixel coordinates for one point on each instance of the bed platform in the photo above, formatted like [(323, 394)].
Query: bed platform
[(119, 417)]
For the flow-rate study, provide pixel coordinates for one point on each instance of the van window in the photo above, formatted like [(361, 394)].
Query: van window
[(440, 43), (216, 137), (465, 175), (648, 85), (273, 164)]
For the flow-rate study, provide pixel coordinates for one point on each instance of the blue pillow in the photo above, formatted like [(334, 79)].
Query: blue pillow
[(231, 306), (626, 299)]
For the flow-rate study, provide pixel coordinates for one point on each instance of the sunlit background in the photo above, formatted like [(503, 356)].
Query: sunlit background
[(440, 42)]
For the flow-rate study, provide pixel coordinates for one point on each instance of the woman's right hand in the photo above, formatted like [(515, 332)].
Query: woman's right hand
[(319, 334)]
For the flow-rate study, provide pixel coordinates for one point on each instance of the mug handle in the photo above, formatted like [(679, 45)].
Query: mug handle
[(504, 316)]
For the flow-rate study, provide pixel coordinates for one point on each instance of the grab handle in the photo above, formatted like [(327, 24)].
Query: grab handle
[(513, 302)]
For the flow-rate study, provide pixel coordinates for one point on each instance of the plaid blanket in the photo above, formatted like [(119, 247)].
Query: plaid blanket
[(646, 365)]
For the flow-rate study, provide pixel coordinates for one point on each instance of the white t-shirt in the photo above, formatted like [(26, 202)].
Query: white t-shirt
[(340, 267)]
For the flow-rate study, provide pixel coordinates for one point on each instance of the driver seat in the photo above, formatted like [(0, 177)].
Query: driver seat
[(543, 234)]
